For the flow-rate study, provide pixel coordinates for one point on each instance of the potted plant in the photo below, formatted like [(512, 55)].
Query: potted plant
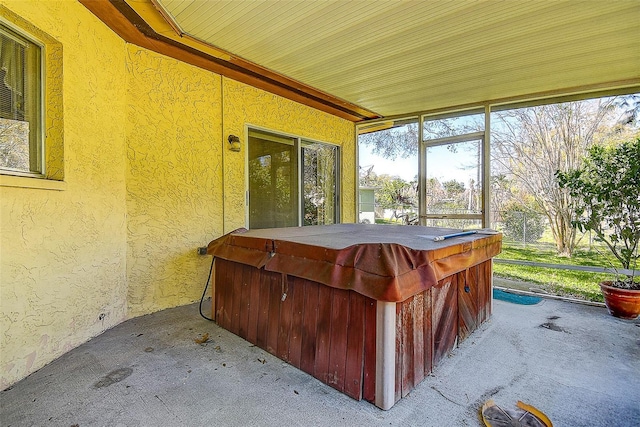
[(606, 200)]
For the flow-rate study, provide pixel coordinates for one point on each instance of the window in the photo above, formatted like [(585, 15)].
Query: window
[(292, 182), (21, 141)]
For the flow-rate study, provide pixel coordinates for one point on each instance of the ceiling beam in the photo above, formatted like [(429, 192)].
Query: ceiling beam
[(120, 17)]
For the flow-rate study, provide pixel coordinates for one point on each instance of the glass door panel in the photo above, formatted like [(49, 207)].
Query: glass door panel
[(273, 181), (319, 170)]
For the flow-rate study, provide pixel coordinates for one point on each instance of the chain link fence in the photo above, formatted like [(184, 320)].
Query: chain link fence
[(531, 230), (521, 229)]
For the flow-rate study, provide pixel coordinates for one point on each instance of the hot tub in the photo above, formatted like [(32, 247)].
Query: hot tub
[(366, 309)]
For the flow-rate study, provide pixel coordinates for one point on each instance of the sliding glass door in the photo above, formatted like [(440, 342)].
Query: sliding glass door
[(291, 182)]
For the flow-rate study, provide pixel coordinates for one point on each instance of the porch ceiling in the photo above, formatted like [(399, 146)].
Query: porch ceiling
[(393, 58)]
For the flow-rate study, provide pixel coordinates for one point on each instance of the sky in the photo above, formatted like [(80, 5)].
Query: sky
[(443, 165), (407, 169)]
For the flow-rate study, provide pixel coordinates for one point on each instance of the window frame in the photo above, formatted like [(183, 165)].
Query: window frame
[(40, 149), (299, 143)]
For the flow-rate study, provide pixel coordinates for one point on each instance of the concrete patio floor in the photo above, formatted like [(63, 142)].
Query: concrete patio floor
[(575, 363)]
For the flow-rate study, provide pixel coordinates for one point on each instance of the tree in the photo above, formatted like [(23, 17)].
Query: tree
[(14, 144), (531, 144), (501, 193), (397, 194), (392, 192), (392, 143), (630, 106), (319, 184), (453, 189)]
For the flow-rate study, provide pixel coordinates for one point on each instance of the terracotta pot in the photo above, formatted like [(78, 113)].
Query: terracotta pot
[(622, 303)]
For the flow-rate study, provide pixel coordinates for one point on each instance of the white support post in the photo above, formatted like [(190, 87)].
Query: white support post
[(385, 354)]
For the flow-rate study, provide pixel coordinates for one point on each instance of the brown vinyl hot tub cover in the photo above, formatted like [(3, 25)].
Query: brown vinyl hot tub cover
[(383, 262)]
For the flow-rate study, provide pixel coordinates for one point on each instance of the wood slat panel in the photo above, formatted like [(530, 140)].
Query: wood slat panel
[(309, 327), (223, 299), (275, 295), (323, 334), (284, 325), (408, 345), (245, 303), (289, 328), (427, 335), (297, 321), (484, 291), (331, 333), (217, 290), (263, 310), (369, 374), (353, 382), (444, 317), (236, 295), (399, 353), (418, 337), (489, 287), (467, 302), (338, 333), (254, 312), (414, 341)]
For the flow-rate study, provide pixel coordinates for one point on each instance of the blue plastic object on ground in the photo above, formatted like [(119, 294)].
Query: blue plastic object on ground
[(515, 298)]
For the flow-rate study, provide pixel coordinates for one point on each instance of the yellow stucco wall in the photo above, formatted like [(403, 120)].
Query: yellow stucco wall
[(147, 179), (245, 105), (62, 257), (174, 179)]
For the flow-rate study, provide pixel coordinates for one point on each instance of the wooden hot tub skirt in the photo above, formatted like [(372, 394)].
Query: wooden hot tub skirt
[(332, 333)]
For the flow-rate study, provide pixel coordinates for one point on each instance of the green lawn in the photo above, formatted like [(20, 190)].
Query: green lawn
[(577, 284), (597, 258)]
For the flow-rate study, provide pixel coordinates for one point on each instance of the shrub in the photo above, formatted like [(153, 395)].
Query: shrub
[(607, 195)]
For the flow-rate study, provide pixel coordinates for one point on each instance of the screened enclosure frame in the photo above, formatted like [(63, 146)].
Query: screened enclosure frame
[(487, 109), (423, 145), (484, 162), (423, 171)]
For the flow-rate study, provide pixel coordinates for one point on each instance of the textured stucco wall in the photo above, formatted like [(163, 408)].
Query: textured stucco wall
[(174, 179), (147, 179), (242, 105), (62, 257)]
